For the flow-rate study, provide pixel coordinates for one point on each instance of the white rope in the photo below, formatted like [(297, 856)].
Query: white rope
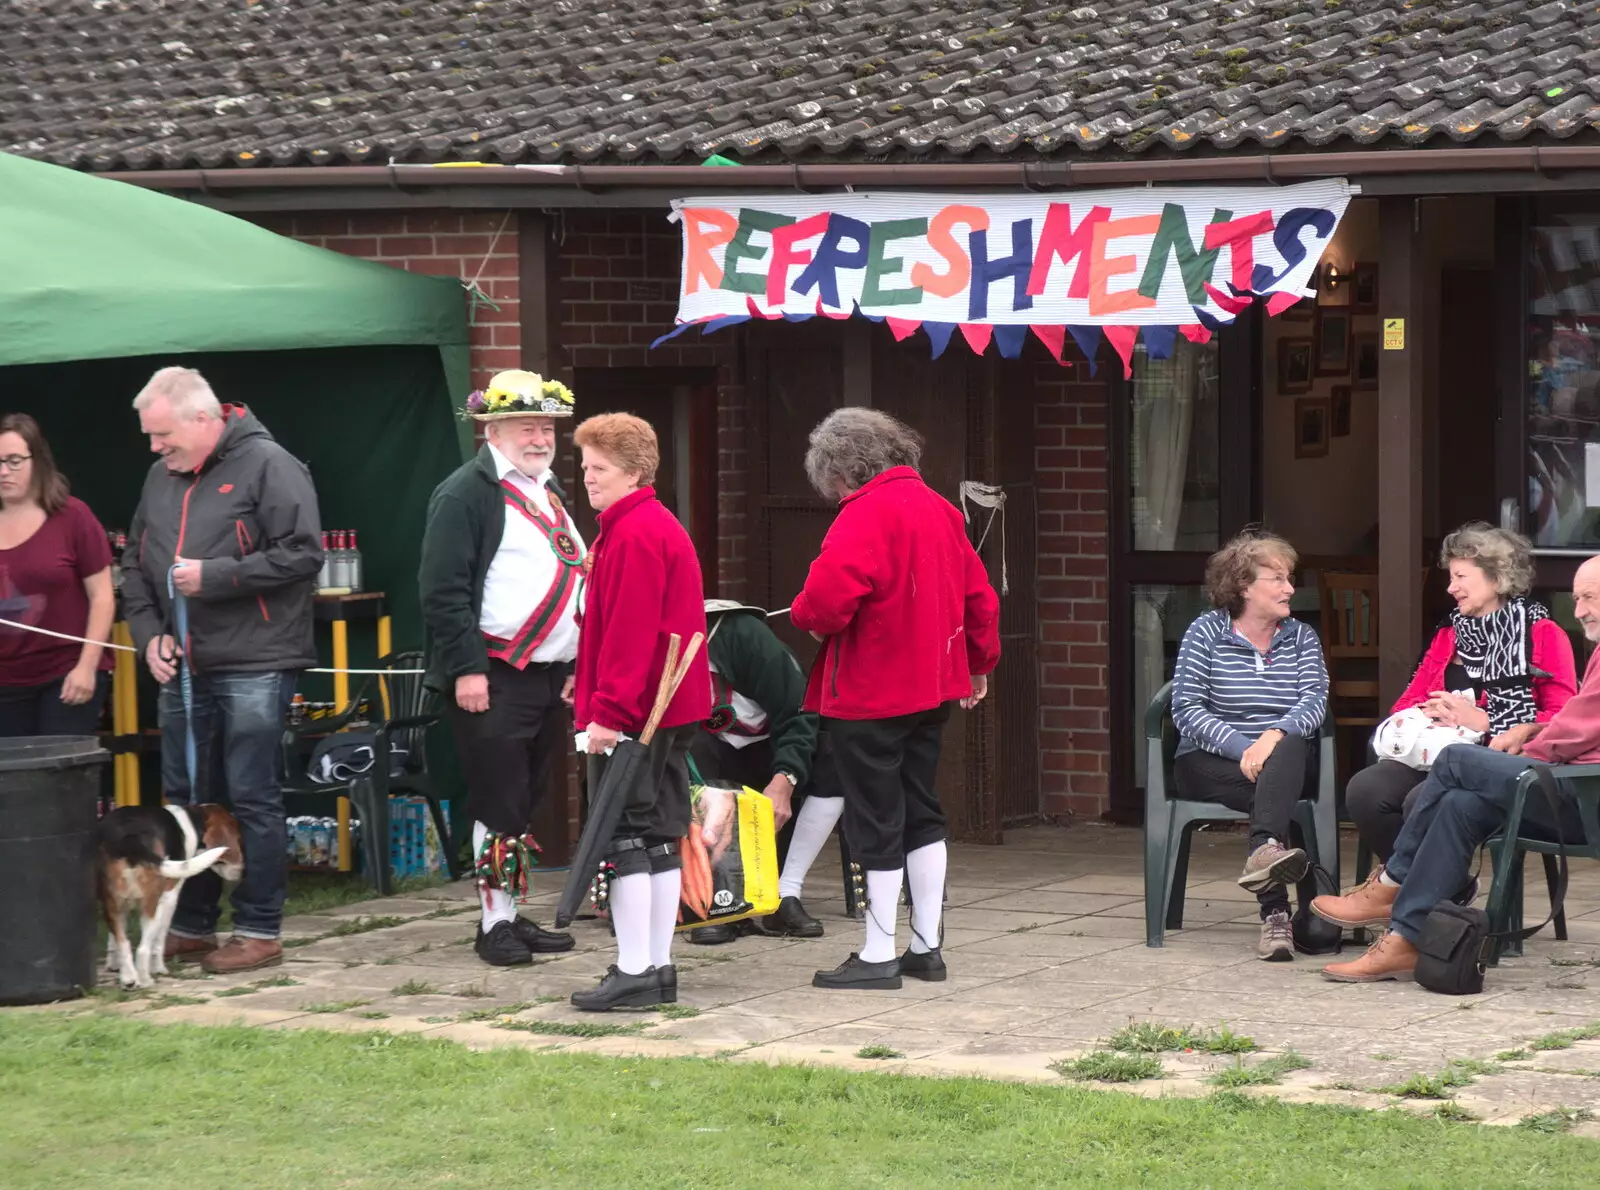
[(993, 498), (472, 285), (104, 644)]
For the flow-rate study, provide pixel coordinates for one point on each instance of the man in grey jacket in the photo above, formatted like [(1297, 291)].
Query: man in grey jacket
[(231, 518)]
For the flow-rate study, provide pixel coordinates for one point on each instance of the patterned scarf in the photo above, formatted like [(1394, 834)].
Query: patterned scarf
[(1496, 651)]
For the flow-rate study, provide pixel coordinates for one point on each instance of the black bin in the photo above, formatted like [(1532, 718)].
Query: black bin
[(49, 792)]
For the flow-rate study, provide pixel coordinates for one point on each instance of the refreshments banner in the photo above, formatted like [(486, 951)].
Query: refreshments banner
[(1186, 259)]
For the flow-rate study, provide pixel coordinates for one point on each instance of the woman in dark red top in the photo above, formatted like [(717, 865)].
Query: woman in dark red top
[(1499, 665), (643, 586), (909, 625), (55, 574)]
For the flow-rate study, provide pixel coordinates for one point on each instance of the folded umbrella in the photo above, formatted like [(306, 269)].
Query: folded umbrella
[(624, 770)]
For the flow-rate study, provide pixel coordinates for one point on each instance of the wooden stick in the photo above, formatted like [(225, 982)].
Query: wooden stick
[(664, 690)]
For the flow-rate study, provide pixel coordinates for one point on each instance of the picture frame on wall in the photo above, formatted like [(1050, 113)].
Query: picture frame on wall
[(1364, 288), (1294, 365), (1339, 412), (1301, 311), (1312, 418), (1332, 355), (1365, 353)]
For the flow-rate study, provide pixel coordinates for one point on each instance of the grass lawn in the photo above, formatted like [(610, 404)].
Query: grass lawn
[(94, 1101)]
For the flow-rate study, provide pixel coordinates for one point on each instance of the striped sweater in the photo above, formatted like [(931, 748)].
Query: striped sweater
[(1226, 693)]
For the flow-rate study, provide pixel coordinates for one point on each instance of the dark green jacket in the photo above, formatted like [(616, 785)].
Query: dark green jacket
[(466, 519), (759, 666)]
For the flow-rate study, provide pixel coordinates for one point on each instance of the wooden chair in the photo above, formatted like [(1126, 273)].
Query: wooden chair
[(408, 709), (1350, 635), (1169, 820), (1508, 847)]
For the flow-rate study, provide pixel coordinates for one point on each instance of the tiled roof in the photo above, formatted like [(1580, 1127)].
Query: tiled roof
[(145, 84)]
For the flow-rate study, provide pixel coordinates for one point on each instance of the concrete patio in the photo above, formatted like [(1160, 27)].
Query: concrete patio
[(1045, 944)]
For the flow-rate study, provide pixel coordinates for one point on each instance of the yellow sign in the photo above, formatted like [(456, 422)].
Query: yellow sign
[(1394, 334)]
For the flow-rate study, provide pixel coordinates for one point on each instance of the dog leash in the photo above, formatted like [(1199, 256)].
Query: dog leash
[(180, 612)]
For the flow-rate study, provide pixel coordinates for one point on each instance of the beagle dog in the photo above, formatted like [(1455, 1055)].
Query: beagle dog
[(143, 854)]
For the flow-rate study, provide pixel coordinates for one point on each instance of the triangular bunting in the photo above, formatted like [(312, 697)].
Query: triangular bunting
[(716, 324), (1122, 338), (1233, 305), (939, 335), (674, 333), (1054, 339), (1195, 333), (1208, 320), (1088, 340), (977, 335), (860, 313), (1159, 341), (1010, 340), (756, 311), (903, 328), (1281, 301), (836, 315)]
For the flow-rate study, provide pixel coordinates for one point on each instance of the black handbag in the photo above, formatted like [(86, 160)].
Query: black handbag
[(1312, 934), (1453, 953)]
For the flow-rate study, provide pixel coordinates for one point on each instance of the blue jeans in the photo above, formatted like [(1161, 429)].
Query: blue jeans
[(238, 729), (1464, 801)]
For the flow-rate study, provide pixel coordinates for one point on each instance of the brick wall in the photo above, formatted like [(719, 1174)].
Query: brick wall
[(468, 244), (617, 287), (1074, 586)]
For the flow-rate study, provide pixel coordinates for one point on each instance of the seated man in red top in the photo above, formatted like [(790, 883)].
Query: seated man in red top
[(1463, 802), (909, 624)]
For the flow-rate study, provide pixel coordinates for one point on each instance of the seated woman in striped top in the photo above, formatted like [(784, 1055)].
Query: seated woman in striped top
[(1250, 691)]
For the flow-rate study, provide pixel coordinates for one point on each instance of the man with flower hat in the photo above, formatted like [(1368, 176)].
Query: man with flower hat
[(501, 566)]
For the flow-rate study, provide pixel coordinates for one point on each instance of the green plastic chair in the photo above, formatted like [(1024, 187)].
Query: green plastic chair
[(1170, 820), (1509, 846)]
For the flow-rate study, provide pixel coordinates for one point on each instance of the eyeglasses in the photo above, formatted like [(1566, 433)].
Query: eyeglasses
[(13, 462)]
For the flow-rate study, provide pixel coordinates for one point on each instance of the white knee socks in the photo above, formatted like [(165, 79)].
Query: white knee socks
[(925, 871), (664, 889), (883, 902), (630, 917), (818, 816), (498, 905)]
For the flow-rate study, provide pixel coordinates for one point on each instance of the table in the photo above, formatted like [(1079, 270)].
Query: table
[(339, 610)]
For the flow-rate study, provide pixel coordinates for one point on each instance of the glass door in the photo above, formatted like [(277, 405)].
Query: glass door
[(1184, 477)]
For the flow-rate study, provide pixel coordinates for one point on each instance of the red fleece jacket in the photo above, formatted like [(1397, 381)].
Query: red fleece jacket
[(1573, 735), (1552, 652), (644, 584), (903, 601)]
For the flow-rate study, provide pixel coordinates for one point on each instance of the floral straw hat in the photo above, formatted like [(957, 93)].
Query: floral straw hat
[(520, 394)]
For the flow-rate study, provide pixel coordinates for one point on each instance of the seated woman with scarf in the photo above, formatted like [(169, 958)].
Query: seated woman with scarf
[(1499, 665)]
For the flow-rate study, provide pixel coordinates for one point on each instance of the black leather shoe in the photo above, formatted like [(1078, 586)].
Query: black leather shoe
[(714, 935), (928, 966), (853, 973), (617, 990), (541, 941), (790, 921), (668, 976), (501, 947)]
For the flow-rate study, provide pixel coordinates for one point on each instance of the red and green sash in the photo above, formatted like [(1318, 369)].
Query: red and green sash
[(724, 720), (518, 651)]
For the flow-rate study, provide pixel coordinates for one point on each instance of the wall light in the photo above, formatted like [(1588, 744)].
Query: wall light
[(1332, 278)]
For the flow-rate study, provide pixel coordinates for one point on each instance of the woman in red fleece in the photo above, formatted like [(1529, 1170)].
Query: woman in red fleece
[(1498, 665), (643, 586), (909, 624)]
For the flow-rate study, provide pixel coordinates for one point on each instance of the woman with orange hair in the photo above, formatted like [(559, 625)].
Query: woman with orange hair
[(644, 586)]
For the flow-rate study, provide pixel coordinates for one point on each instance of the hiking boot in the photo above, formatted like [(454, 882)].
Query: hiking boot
[(928, 966), (714, 935), (1368, 905), (1277, 940), (861, 975), (1390, 957), (620, 990), (188, 950), (668, 977), (539, 940), (789, 921), (501, 947), (243, 954), (1273, 863)]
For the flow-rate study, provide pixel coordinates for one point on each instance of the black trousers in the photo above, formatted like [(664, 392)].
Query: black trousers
[(657, 810), (1269, 800), (38, 710), (886, 771), (1378, 799), (508, 751), (720, 762)]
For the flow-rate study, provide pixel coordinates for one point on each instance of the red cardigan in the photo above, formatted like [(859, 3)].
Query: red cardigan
[(903, 601), (1552, 652), (644, 584)]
